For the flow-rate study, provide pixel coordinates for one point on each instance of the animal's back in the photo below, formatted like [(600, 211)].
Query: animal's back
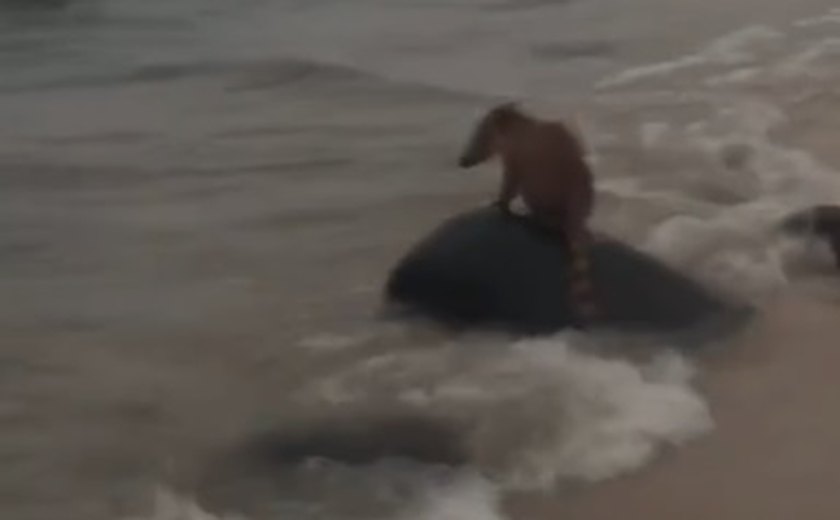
[(553, 176)]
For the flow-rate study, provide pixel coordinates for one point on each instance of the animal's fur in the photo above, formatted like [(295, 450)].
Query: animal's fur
[(544, 163)]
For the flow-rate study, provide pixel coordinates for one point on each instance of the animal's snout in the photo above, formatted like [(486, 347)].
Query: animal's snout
[(467, 161)]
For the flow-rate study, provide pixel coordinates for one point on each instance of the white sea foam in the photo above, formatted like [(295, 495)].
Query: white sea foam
[(169, 505), (738, 48), (462, 495), (538, 410), (470, 497)]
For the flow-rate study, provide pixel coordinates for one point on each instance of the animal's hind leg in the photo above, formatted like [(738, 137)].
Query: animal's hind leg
[(507, 192)]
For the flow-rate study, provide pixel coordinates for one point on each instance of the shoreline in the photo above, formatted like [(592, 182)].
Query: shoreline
[(769, 457)]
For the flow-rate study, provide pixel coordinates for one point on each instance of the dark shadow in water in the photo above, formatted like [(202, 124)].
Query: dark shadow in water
[(517, 5), (358, 440), (574, 50), (34, 5), (343, 463)]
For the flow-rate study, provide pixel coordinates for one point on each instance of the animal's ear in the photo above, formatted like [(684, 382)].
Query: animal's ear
[(509, 106), (506, 113)]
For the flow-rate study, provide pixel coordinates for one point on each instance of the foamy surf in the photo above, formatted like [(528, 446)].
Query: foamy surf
[(735, 49), (466, 498), (574, 414), (469, 498), (531, 414), (170, 505), (725, 152)]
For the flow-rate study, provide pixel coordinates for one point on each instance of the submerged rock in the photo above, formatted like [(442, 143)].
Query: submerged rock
[(820, 221)]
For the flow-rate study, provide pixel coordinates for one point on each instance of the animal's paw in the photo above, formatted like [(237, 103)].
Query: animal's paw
[(502, 206)]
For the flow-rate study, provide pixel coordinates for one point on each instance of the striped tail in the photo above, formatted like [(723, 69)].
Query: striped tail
[(581, 286)]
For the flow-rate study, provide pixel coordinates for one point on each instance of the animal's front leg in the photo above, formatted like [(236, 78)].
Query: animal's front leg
[(507, 192)]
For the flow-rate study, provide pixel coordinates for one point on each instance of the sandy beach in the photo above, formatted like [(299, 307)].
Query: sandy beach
[(774, 452)]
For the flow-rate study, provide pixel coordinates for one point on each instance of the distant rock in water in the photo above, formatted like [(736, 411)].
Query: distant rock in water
[(819, 221), (485, 269)]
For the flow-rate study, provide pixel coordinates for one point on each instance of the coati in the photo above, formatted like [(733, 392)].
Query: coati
[(544, 163)]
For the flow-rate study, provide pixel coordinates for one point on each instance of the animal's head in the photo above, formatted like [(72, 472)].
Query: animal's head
[(489, 133)]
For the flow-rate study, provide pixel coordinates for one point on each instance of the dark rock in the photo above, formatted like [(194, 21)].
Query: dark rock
[(486, 269), (821, 221)]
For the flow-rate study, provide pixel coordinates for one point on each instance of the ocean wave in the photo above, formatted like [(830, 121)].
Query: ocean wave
[(270, 73), (472, 421)]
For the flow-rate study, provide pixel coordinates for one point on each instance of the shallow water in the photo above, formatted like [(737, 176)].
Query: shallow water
[(200, 201)]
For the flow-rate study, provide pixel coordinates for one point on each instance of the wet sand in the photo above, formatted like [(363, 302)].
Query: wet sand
[(775, 451)]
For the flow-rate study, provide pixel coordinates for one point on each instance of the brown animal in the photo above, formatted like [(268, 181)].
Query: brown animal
[(544, 163)]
